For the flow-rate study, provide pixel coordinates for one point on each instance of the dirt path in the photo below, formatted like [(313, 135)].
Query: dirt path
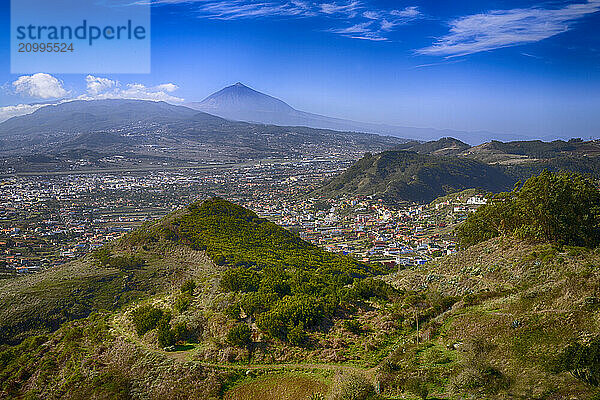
[(187, 356)]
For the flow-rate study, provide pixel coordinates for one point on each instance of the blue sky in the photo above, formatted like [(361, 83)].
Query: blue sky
[(530, 68)]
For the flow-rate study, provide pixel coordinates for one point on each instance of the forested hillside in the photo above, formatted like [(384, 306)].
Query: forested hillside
[(404, 176)]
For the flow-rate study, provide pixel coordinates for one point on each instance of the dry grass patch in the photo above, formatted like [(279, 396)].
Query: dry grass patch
[(279, 387)]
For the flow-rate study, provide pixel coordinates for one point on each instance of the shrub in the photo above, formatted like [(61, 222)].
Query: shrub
[(296, 336), (182, 303), (371, 287), (168, 336), (417, 386), (240, 279), (188, 287), (352, 386), (559, 208), (219, 260), (479, 378), (291, 310), (582, 361), (240, 335), (105, 258), (146, 318), (165, 335), (353, 325)]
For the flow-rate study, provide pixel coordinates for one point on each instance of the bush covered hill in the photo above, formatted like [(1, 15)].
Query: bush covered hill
[(234, 307), (448, 165), (535, 149), (446, 146), (523, 159), (405, 176), (204, 239), (213, 275)]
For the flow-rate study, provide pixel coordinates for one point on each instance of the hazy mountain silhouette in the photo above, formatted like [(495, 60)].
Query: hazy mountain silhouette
[(240, 103)]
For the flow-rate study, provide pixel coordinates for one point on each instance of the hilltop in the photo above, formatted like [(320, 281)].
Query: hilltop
[(201, 240), (446, 146), (420, 172), (405, 176), (201, 275), (239, 102)]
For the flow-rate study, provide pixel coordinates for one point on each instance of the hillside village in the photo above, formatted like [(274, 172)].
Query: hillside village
[(371, 231)]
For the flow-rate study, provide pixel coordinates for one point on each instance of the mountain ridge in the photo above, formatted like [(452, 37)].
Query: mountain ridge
[(142, 128), (398, 176), (241, 103)]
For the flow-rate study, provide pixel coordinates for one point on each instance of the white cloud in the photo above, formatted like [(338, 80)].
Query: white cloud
[(167, 87), (97, 85), (20, 109), (504, 28), (408, 12), (97, 88), (345, 16), (378, 24), (39, 86), (104, 88), (350, 8)]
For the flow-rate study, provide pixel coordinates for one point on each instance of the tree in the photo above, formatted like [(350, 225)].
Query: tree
[(240, 279), (352, 386), (146, 318), (560, 208), (240, 336), (296, 335)]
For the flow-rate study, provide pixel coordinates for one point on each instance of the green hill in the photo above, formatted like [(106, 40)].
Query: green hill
[(446, 146), (201, 240), (202, 275), (403, 176)]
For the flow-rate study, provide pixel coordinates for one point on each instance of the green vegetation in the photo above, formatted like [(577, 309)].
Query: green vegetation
[(84, 360), (106, 259), (560, 208), (281, 386), (352, 386), (286, 284), (188, 287), (146, 318), (233, 235), (582, 361), (170, 336), (503, 318), (404, 176), (240, 335)]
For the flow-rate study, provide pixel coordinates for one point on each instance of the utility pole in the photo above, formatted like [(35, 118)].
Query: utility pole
[(417, 318)]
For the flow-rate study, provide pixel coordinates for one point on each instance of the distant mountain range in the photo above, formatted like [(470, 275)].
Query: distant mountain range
[(421, 172), (158, 129), (82, 116), (241, 103)]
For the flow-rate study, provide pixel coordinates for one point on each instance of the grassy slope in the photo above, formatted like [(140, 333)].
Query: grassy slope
[(85, 359), (39, 303), (526, 303), (292, 386)]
